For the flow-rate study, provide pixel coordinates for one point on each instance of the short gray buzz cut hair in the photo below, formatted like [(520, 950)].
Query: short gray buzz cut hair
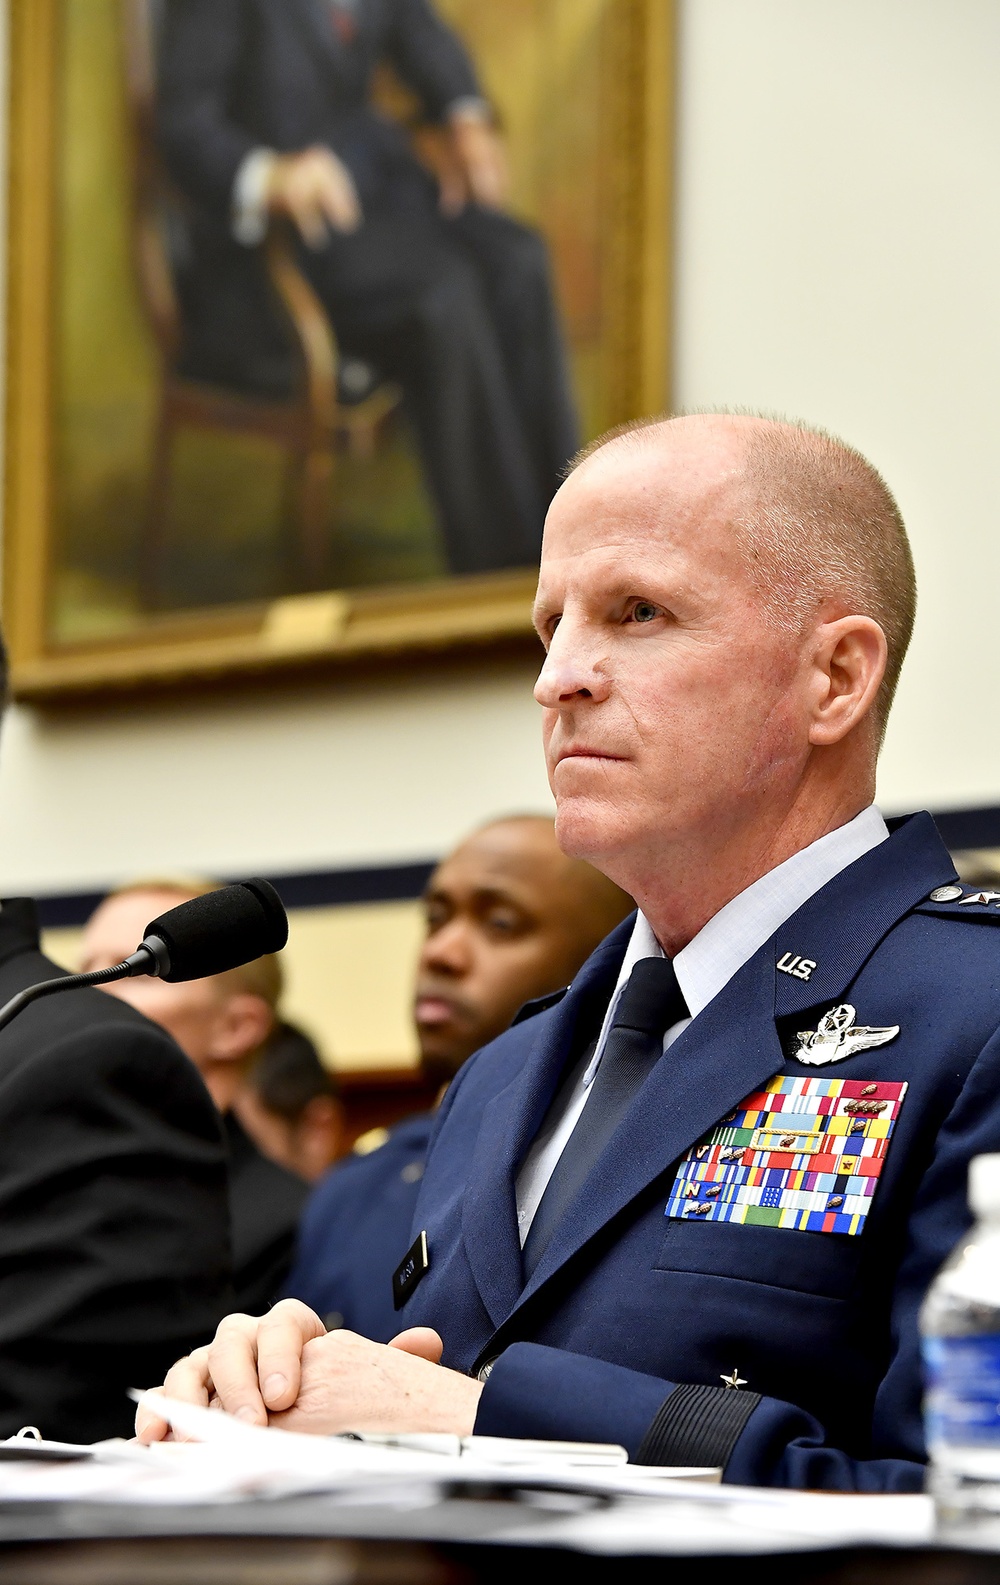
[(820, 524)]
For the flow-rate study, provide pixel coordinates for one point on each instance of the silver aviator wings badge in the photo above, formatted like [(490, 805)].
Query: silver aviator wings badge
[(837, 1036)]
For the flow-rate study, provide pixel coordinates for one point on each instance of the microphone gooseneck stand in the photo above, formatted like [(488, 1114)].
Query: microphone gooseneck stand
[(144, 960)]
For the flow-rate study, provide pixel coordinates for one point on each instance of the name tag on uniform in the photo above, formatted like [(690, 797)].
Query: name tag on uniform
[(802, 1153), (409, 1271)]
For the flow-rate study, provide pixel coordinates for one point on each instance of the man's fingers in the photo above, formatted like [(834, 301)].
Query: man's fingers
[(188, 1381), (488, 179), (281, 1336), (339, 201), (309, 219), (148, 1426), (232, 1369), (420, 1340)]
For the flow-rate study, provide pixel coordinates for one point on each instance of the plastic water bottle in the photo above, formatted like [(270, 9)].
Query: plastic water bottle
[(960, 1330)]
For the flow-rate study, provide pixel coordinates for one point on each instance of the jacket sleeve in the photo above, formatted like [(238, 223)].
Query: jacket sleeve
[(198, 60), (539, 1391), (430, 57), (114, 1228), (535, 1391)]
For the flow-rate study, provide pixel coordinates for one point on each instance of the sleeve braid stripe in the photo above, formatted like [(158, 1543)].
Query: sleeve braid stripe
[(697, 1426)]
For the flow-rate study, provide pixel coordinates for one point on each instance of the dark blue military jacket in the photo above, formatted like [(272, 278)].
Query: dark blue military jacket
[(355, 1230), (633, 1317)]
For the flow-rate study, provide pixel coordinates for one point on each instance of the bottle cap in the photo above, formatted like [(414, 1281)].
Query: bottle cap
[(984, 1185)]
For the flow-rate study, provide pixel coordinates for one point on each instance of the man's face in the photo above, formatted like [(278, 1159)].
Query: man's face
[(190, 1011), (503, 925), (672, 709)]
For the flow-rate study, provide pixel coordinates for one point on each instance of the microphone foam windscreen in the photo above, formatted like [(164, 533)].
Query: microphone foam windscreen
[(221, 930)]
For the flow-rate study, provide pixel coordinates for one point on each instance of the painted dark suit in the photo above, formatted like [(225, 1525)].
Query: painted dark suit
[(632, 1318), (460, 311)]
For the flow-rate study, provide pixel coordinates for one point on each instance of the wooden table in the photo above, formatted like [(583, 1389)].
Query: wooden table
[(238, 1560)]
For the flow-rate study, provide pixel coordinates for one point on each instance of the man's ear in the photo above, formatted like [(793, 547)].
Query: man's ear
[(849, 663), (243, 1024)]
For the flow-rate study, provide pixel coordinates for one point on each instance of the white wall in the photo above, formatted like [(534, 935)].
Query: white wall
[(838, 259), (383, 771)]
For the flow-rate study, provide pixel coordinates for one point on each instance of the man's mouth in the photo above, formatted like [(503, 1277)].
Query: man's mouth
[(585, 752), (433, 1010)]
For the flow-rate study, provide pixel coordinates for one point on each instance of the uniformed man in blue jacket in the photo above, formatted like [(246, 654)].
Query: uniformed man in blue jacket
[(693, 1205)]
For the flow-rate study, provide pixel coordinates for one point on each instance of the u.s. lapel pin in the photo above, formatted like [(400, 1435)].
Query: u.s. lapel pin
[(409, 1271), (798, 967), (837, 1037)]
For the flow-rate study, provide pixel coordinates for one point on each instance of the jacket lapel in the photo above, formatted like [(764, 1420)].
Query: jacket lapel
[(512, 1119), (733, 1046), (840, 927), (727, 1052), (315, 19)]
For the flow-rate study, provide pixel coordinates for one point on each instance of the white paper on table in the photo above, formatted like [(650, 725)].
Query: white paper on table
[(264, 1459), (652, 1510)]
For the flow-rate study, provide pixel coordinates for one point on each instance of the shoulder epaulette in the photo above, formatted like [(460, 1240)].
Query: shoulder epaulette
[(956, 901), (541, 1004)]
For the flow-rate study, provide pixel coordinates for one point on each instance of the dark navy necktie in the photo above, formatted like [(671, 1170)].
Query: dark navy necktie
[(650, 1003)]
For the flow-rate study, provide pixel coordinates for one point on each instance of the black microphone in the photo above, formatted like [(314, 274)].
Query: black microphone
[(207, 935)]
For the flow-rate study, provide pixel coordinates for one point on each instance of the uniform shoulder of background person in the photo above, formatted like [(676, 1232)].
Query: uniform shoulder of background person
[(114, 1239), (265, 1202), (356, 1229)]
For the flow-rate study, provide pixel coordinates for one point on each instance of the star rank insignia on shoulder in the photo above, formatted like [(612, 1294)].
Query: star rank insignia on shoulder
[(975, 901)]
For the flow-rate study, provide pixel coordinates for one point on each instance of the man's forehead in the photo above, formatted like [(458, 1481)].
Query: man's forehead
[(636, 490), (127, 906), (500, 857)]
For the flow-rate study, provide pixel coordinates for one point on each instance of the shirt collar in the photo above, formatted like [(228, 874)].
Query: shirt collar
[(738, 930)]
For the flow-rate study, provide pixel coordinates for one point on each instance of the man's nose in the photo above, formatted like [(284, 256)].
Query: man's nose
[(446, 951), (573, 670)]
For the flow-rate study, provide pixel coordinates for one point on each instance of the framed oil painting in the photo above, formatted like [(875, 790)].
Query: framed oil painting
[(310, 303)]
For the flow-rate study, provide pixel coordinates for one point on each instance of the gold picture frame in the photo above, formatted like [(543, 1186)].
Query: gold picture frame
[(329, 628)]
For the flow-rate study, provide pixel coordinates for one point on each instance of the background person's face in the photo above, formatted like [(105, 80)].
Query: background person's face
[(672, 709), (191, 1010), (504, 924)]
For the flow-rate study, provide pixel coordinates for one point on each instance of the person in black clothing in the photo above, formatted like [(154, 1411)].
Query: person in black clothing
[(264, 109), (114, 1229), (219, 1022), (290, 1106)]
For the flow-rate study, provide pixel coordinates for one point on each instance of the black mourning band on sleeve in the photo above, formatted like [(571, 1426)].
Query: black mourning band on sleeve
[(697, 1426)]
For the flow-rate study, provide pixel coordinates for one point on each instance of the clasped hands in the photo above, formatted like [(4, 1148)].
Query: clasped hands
[(283, 1369), (315, 189)]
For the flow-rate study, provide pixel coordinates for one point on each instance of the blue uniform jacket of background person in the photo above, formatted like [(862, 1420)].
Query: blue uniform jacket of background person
[(632, 1318), (355, 1230)]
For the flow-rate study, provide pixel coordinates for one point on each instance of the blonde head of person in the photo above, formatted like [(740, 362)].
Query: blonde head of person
[(219, 1022)]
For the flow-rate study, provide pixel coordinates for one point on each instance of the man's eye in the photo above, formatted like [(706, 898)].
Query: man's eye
[(645, 611)]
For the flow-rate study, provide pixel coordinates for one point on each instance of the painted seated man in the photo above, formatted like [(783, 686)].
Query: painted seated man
[(694, 1207), (265, 110)]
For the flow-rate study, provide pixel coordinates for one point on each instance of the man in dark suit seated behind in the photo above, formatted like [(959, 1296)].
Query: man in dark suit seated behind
[(114, 1231), (509, 918), (219, 1022), (264, 109)]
